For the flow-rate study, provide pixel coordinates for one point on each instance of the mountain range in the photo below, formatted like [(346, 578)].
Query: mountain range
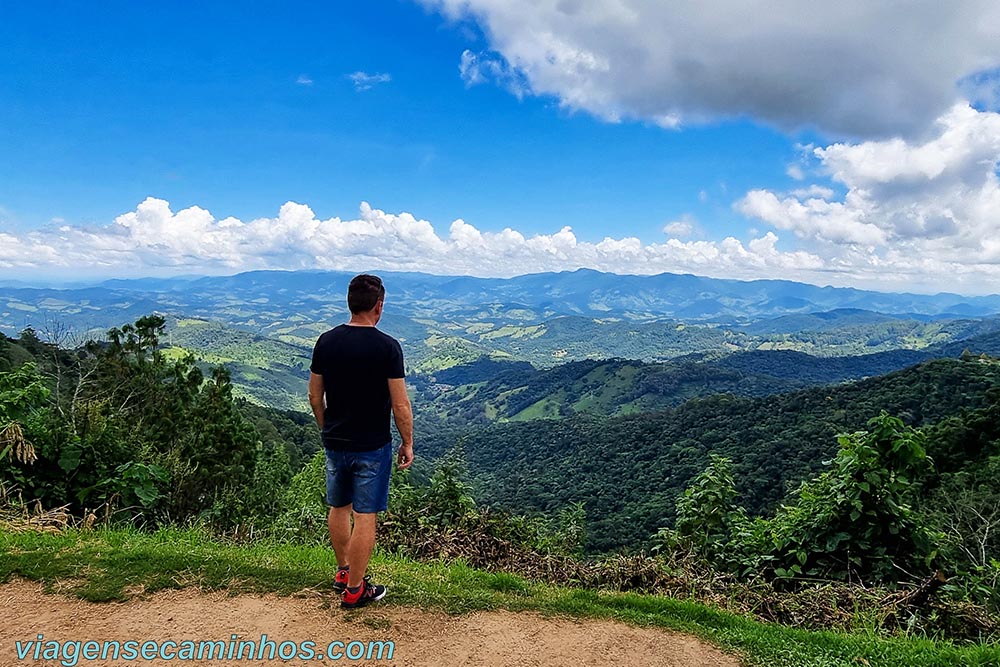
[(264, 296), (261, 325)]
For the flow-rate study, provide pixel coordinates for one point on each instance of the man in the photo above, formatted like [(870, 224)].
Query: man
[(356, 379)]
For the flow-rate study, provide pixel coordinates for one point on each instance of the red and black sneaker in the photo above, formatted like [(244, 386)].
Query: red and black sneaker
[(340, 583), (366, 594)]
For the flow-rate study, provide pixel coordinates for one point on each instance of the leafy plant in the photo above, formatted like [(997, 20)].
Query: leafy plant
[(21, 392), (707, 516)]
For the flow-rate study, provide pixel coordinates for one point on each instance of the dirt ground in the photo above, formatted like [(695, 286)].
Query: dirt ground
[(487, 639)]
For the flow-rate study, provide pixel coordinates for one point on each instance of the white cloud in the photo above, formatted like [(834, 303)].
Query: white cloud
[(795, 171), (855, 68), (304, 80), (813, 191), (921, 213), (155, 240), (681, 228), (364, 81)]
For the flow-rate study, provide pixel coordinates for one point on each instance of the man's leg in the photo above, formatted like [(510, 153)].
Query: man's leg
[(371, 496), (339, 522), (359, 549), (338, 499)]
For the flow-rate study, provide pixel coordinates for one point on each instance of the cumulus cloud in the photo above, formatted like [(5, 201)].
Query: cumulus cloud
[(364, 81), (868, 68), (154, 239), (891, 214), (923, 212), (304, 80)]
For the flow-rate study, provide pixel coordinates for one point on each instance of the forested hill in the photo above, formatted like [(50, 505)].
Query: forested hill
[(486, 390), (272, 370), (628, 471)]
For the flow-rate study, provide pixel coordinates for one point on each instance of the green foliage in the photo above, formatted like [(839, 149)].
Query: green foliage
[(979, 584), (295, 432), (448, 500), (21, 391), (441, 518), (138, 482), (966, 505), (433, 518), (854, 521), (149, 436), (707, 516), (22, 395), (303, 515)]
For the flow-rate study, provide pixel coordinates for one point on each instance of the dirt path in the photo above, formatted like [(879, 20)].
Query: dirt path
[(488, 639)]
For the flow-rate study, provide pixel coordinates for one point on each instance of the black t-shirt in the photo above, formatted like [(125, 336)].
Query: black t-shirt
[(356, 363)]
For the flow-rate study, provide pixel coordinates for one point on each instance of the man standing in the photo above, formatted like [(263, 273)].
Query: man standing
[(356, 379)]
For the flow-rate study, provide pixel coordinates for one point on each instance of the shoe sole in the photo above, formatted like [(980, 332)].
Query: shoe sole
[(363, 601)]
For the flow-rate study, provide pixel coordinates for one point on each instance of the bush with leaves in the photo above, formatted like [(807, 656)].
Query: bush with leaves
[(303, 505), (853, 522), (707, 517), (442, 519)]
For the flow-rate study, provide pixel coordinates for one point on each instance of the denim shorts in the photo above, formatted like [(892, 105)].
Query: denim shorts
[(359, 478)]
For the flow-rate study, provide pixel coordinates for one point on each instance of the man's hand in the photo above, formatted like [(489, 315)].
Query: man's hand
[(405, 456), (403, 414), (317, 397)]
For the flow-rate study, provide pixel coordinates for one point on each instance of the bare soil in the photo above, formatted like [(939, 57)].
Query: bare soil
[(485, 639)]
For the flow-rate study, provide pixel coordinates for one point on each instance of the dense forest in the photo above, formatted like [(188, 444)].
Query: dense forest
[(489, 390), (628, 471)]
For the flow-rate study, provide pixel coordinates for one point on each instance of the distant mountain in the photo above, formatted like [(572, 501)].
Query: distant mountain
[(987, 343), (529, 298), (822, 321), (545, 319), (468, 381)]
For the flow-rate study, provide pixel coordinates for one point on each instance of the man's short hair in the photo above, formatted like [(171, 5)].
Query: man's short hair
[(364, 292)]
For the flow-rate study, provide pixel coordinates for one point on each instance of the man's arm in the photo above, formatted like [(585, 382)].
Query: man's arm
[(402, 413), (317, 397)]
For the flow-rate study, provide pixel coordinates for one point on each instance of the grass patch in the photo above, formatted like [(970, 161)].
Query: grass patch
[(113, 564)]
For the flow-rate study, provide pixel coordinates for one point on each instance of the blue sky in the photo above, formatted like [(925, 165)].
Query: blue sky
[(614, 119)]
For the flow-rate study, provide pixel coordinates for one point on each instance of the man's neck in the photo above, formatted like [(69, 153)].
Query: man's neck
[(361, 321)]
